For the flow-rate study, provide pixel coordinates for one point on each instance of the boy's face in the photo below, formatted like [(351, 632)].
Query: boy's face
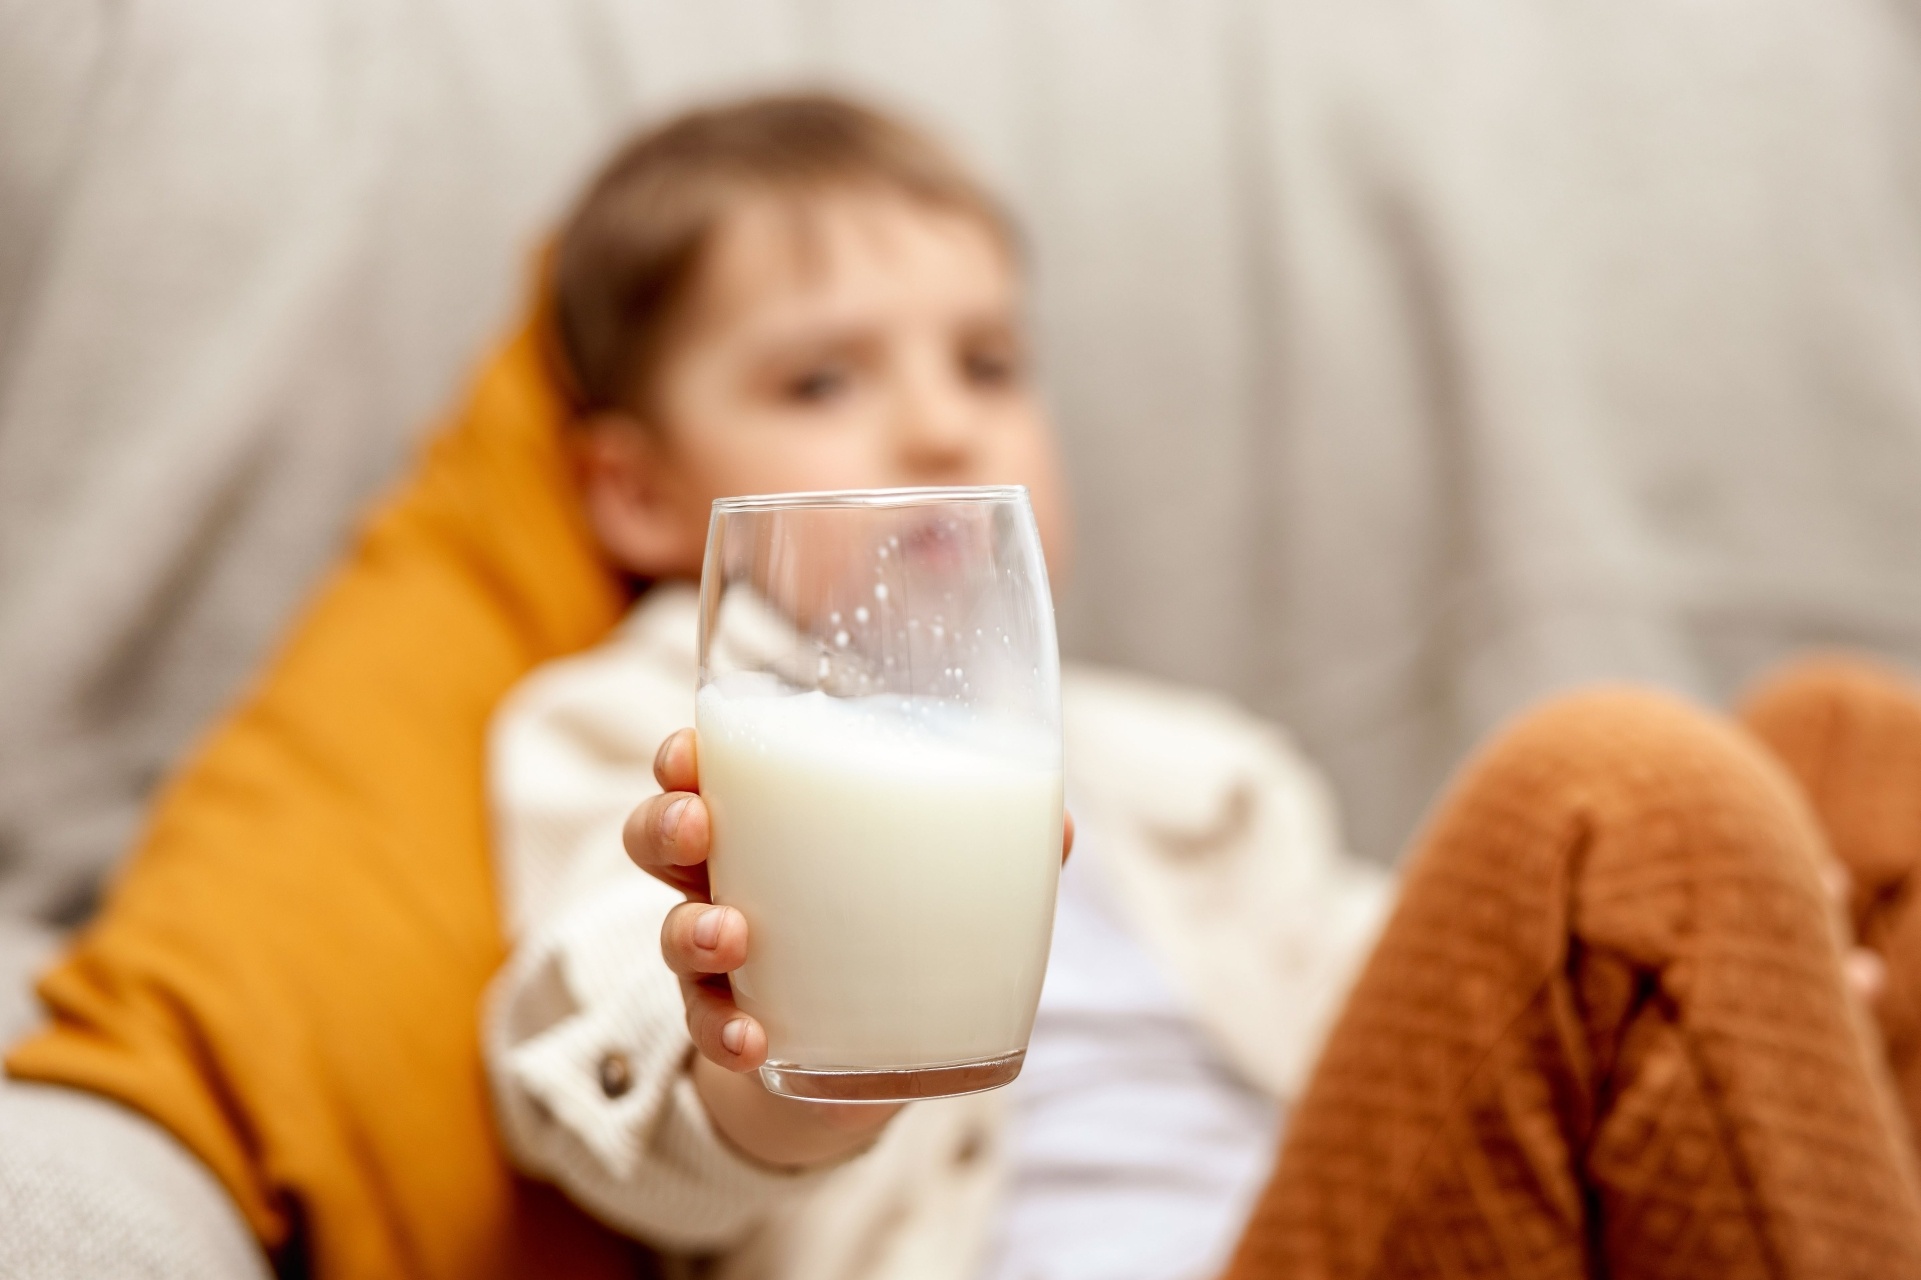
[(863, 341)]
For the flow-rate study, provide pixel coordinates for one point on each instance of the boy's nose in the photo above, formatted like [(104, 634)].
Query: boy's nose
[(934, 431)]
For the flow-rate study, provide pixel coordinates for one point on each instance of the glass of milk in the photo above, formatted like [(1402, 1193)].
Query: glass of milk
[(880, 751)]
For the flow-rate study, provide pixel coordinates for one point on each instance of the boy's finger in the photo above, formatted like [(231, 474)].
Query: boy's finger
[(697, 940), (1067, 835), (676, 764), (668, 834), (1836, 880), (723, 1034), (1866, 972)]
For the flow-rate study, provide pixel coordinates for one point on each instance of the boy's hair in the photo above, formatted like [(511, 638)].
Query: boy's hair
[(633, 247)]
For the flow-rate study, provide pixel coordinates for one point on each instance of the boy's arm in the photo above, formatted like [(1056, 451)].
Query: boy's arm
[(590, 1061), (585, 1035)]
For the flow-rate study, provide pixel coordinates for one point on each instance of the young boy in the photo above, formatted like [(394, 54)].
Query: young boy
[(798, 294), (1605, 1028)]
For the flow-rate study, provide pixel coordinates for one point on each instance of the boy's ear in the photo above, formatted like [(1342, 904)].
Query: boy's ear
[(636, 499)]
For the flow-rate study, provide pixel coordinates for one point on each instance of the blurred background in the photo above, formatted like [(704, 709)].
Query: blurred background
[(1415, 357)]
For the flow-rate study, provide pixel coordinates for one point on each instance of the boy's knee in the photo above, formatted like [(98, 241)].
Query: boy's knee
[(1801, 695), (1624, 751), (1804, 710), (1799, 710), (1623, 789), (1849, 731)]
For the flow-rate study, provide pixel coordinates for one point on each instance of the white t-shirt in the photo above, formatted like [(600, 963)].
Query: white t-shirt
[(1134, 1152)]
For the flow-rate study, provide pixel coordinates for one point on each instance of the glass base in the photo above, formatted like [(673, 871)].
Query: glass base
[(891, 1084)]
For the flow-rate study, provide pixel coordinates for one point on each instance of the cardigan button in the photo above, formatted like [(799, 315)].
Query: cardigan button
[(616, 1074)]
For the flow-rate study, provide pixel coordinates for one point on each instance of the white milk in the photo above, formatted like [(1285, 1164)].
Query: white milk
[(896, 864)]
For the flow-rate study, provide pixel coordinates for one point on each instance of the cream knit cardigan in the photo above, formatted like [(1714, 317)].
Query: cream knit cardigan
[(1219, 841)]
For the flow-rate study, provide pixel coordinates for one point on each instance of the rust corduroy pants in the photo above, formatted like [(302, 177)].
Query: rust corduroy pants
[(1606, 1031)]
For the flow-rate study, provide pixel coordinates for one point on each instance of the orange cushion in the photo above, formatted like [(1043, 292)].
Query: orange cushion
[(288, 973)]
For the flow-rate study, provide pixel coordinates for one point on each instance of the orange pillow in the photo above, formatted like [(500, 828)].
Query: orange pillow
[(288, 974)]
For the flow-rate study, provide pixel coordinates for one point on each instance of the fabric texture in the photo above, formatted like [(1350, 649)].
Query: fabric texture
[(288, 975), (1424, 357), (1605, 1033), (1194, 806)]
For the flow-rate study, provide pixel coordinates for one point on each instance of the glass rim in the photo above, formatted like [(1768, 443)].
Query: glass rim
[(902, 497)]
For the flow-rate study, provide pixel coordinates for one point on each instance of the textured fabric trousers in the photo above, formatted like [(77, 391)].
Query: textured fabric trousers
[(1606, 1031)]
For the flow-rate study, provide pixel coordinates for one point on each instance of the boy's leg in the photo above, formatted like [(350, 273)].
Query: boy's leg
[(1605, 1032), (1850, 733)]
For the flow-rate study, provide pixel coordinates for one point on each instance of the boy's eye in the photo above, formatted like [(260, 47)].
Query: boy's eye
[(990, 368), (816, 386)]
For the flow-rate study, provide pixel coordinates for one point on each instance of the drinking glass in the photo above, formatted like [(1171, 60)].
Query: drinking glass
[(880, 753)]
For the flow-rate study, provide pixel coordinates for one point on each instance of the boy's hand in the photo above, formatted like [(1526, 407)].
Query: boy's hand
[(668, 838)]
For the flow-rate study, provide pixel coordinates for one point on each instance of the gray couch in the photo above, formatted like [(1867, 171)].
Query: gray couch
[(1414, 359)]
